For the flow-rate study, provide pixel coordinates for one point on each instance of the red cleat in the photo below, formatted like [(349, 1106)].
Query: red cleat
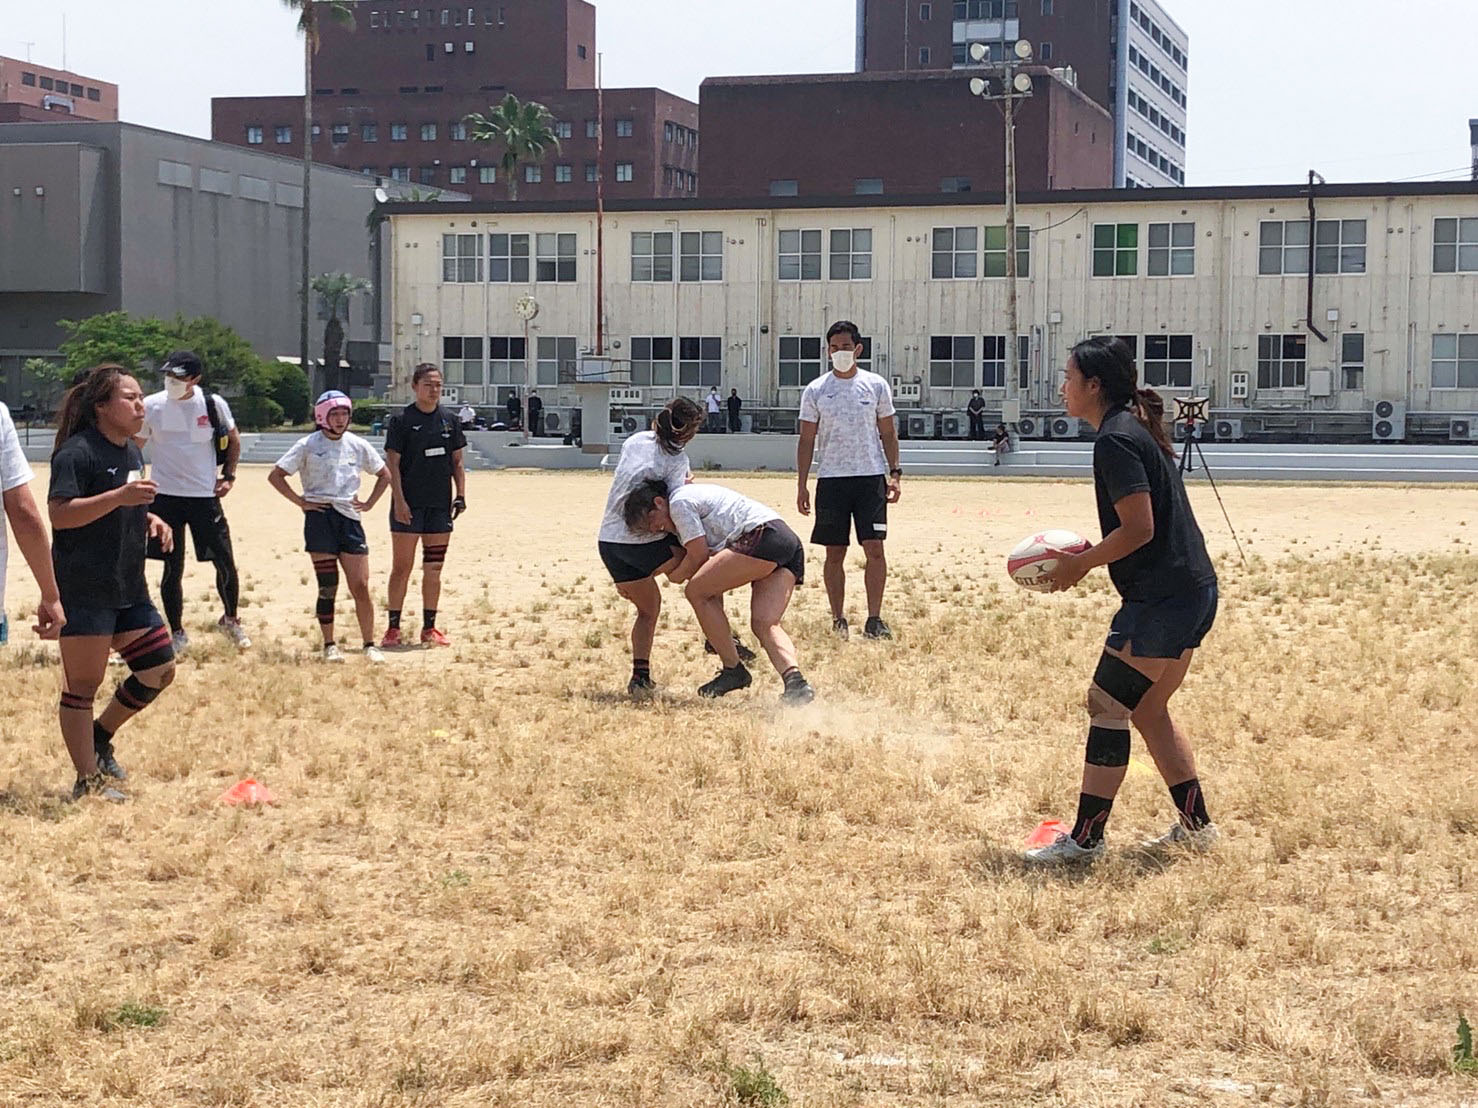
[(434, 637), (392, 639)]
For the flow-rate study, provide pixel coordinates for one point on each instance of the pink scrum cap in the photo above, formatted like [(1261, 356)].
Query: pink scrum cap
[(327, 403)]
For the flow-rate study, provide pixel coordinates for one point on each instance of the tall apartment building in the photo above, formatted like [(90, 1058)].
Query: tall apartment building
[(38, 93), (391, 94), (1128, 55)]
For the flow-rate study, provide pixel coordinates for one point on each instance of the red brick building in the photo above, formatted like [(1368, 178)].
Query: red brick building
[(30, 92), (894, 134), (390, 97)]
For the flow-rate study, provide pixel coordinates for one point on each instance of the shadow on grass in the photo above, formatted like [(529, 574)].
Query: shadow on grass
[(51, 807)]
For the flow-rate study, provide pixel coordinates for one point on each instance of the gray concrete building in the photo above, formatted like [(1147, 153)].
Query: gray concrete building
[(99, 217)]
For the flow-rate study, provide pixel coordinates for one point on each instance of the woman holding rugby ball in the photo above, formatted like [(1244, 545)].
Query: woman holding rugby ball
[(1157, 561)]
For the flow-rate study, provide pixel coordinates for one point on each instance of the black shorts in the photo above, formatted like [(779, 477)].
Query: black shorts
[(206, 520), (82, 621), (424, 521), (332, 532), (636, 561), (1164, 628), (774, 542), (842, 502)]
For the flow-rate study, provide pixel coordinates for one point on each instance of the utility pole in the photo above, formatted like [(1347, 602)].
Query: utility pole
[(1012, 85), (600, 211)]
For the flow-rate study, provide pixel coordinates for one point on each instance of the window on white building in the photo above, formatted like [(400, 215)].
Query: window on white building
[(1167, 361), (800, 256), (954, 251), (651, 361), (800, 360), (952, 361), (851, 254), (1455, 361), (1281, 361), (1172, 249)]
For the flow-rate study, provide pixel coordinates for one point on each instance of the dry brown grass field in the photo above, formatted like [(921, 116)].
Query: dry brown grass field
[(492, 880)]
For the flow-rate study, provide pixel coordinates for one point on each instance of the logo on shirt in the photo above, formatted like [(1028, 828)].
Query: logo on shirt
[(202, 421), (112, 471), (416, 427)]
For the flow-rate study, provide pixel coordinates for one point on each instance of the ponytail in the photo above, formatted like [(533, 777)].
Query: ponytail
[(1110, 361), (79, 405), (1149, 409), (676, 424)]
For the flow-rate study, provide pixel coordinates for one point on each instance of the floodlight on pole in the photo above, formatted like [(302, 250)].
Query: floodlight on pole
[(978, 86), (977, 51)]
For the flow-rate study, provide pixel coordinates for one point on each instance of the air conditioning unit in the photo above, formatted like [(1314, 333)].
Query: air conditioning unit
[(1228, 430), (1388, 421), (1064, 427), (626, 397), (1462, 429), (1032, 427), (920, 425), (450, 394), (909, 394), (1241, 385), (953, 427), (556, 420)]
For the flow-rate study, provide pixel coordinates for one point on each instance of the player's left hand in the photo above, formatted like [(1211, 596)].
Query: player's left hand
[(1067, 573), (225, 485), (459, 505), (895, 489)]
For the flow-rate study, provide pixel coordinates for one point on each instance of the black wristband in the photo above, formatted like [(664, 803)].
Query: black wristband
[(895, 473)]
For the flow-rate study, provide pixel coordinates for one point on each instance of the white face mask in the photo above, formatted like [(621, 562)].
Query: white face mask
[(175, 389), (843, 360)]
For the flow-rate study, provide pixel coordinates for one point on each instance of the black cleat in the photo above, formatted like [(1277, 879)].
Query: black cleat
[(640, 687), (745, 654), (840, 629), (798, 691), (107, 763), (97, 785), (727, 681), (875, 628)]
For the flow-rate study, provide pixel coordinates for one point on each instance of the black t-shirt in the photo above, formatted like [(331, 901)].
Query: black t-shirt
[(100, 565), (734, 405), (976, 405), (425, 442), (1126, 460)]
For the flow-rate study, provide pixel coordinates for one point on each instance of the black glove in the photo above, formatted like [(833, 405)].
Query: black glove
[(459, 505)]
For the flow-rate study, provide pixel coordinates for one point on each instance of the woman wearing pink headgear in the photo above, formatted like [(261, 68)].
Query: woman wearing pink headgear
[(330, 461)]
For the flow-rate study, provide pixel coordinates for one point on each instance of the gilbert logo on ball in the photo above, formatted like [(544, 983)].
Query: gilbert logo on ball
[(1037, 555)]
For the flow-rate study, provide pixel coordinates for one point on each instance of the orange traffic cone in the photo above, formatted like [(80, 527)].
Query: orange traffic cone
[(1047, 832), (248, 792)]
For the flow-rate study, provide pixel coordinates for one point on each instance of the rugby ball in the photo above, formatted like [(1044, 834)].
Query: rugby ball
[(1036, 556)]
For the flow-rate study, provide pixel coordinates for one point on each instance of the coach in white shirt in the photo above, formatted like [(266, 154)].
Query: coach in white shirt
[(847, 415), (30, 533), (182, 435)]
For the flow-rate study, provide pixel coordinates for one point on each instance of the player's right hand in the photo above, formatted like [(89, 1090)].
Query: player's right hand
[(803, 500), (402, 511), (135, 494)]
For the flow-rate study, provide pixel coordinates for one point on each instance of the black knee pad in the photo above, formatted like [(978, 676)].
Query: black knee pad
[(77, 702), (134, 695), (1121, 681), (150, 650), (433, 556), (1107, 746)]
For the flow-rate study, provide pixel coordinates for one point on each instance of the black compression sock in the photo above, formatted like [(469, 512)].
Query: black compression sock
[(395, 619), (428, 618), (101, 736), (1093, 814), (793, 677), (1190, 804), (641, 669)]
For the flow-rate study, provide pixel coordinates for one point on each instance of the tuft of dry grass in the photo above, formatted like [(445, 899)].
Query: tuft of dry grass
[(492, 880)]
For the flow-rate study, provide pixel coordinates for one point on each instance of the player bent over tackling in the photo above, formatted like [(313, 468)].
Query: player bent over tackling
[(730, 541)]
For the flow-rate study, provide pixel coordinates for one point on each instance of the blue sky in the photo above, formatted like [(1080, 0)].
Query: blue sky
[(1361, 90)]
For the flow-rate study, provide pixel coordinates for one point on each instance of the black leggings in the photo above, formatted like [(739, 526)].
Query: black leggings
[(172, 585)]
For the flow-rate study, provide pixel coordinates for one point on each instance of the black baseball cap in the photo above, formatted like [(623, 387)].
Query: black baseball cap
[(183, 364)]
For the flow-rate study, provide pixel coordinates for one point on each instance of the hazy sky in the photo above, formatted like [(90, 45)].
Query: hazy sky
[(1362, 90)]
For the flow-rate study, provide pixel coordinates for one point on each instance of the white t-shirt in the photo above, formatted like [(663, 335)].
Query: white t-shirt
[(183, 455), (15, 471), (713, 403), (718, 514), (331, 468), (642, 459), (847, 410)]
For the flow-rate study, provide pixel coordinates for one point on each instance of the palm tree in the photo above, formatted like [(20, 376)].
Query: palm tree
[(335, 288), (525, 128), (310, 20)]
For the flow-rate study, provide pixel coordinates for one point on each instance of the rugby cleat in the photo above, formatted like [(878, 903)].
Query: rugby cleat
[(727, 681), (97, 785), (840, 629), (1181, 837), (1064, 851), (107, 763), (875, 628), (432, 637)]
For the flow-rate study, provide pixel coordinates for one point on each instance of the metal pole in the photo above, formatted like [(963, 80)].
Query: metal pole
[(1012, 320), (600, 212)]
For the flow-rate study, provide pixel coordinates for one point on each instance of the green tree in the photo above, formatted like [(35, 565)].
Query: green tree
[(49, 378), (336, 289), (135, 343), (524, 128), (311, 16)]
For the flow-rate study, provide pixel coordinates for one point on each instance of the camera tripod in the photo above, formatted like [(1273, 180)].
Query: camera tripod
[(1191, 414)]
